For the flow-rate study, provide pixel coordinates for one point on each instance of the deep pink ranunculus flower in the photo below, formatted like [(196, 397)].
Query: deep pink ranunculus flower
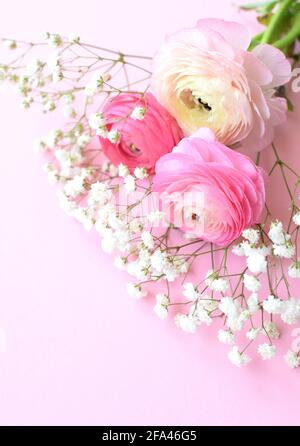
[(142, 141), (208, 189), (206, 77)]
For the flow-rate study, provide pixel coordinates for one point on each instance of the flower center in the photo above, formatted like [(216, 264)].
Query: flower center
[(134, 149), (192, 101)]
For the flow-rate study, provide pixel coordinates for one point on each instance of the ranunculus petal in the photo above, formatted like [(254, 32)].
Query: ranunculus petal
[(234, 33), (205, 77), (227, 187), (277, 63), (144, 141)]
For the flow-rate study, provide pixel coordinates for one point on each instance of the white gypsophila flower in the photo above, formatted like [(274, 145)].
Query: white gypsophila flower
[(68, 98), (273, 305), (83, 140), (136, 225), (294, 270), (244, 316), (82, 215), (34, 66), (216, 283), (232, 309), (66, 158), (237, 358), (53, 138), (26, 103), (296, 218), (108, 242), (3, 74), (69, 111), (66, 204), (257, 263), (252, 235), (123, 240), (253, 333), (138, 113), (74, 38), (147, 239), (286, 251), (202, 315), (162, 299), (39, 145), (95, 84), (54, 63), (253, 303), (170, 271), (55, 40), (112, 169), (186, 323), (137, 270), (230, 306), (140, 173), (291, 311), (114, 136), (49, 106), (208, 304), (181, 265), (145, 258), (276, 233), (10, 44), (158, 261), (116, 222), (99, 194), (239, 250), (251, 283), (198, 312), (267, 351), (156, 217), (161, 307), (292, 359), (104, 214), (102, 131), (65, 165), (271, 330), (129, 183), (76, 186), (57, 76), (123, 170), (52, 173), (161, 311), (190, 292), (135, 290), (264, 250), (120, 263), (96, 121), (45, 35), (226, 337)]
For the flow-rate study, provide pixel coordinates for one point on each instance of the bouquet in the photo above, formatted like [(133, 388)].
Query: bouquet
[(165, 158)]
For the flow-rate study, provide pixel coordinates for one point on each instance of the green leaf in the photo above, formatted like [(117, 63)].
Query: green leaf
[(260, 7)]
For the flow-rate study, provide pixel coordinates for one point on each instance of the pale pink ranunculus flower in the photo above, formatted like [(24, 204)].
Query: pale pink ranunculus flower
[(209, 189), (205, 77), (141, 142)]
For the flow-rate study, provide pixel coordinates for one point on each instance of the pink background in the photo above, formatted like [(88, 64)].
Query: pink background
[(75, 349)]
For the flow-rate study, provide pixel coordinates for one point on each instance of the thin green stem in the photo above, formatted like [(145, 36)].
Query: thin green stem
[(291, 36), (276, 21)]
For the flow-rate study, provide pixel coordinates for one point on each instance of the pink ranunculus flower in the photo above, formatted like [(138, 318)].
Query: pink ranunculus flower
[(205, 77), (212, 191), (142, 139)]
